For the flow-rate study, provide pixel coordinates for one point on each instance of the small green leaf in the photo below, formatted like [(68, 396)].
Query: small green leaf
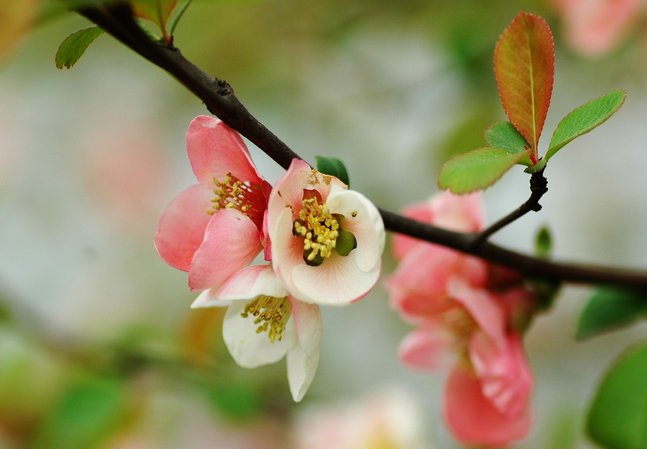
[(583, 119), (543, 243), (73, 47), (617, 418), (87, 412), (610, 308), (334, 167), (504, 135), (477, 169)]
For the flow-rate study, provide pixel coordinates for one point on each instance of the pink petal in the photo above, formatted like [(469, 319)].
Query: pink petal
[(245, 284), (250, 348), (402, 244), (287, 193), (231, 241), (427, 348), (215, 149), (473, 419), (503, 372), (361, 218), (181, 228), (483, 307), (419, 287), (462, 213), (303, 357)]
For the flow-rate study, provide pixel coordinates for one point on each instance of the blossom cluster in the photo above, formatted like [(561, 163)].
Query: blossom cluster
[(469, 315), (321, 244)]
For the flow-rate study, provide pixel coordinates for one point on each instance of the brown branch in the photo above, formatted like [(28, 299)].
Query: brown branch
[(219, 98)]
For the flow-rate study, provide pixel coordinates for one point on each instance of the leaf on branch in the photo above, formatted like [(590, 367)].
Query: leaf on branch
[(504, 135), (585, 118), (617, 418), (610, 308), (477, 169), (334, 167), (524, 66), (73, 46), (157, 11)]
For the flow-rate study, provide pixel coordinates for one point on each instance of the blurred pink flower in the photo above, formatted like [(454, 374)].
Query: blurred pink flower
[(327, 241), (466, 311), (385, 419), (264, 323), (215, 228), (595, 27)]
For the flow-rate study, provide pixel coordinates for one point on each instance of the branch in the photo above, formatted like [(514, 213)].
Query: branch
[(219, 98), (538, 187)]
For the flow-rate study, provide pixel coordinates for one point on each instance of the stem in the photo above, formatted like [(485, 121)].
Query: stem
[(538, 187), (219, 98)]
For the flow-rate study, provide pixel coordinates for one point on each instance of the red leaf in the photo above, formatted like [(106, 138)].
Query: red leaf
[(524, 67)]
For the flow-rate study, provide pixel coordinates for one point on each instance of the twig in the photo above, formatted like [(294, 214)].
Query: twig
[(538, 187), (220, 100)]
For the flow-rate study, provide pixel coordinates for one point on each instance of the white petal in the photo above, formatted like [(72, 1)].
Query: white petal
[(208, 298), (248, 348), (337, 281), (303, 358), (361, 218)]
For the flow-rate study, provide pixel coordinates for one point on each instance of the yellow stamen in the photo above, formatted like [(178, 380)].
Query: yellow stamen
[(319, 228), (272, 315), (232, 193)]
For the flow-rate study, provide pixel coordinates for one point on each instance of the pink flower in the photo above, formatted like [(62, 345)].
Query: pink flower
[(595, 27), (215, 228), (327, 241), (264, 323), (466, 312)]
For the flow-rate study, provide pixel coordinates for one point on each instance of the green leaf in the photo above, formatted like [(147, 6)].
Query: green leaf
[(583, 119), (73, 47), (86, 413), (504, 135), (617, 418), (334, 167), (610, 308), (543, 243), (477, 169), (524, 66)]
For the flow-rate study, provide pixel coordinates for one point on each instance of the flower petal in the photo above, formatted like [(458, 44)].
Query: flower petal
[(181, 227), (215, 149), (483, 307), (287, 193), (338, 281), (303, 358), (461, 213), (427, 348), (231, 241), (361, 218), (245, 284), (473, 419), (249, 348), (503, 372), (402, 244), (418, 288)]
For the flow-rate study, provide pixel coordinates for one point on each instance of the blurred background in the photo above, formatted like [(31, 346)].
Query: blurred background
[(98, 346)]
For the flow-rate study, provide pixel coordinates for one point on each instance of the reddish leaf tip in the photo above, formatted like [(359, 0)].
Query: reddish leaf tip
[(524, 66)]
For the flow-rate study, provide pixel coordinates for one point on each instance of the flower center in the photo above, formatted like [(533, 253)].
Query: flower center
[(272, 315), (320, 230), (232, 193)]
